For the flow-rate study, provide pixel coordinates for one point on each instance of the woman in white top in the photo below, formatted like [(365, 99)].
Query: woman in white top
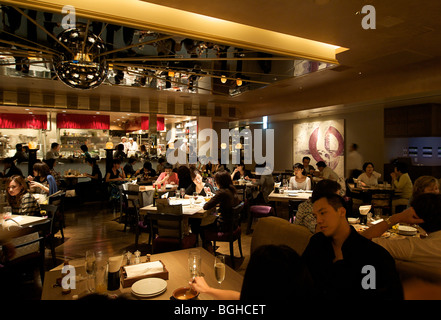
[(299, 181), (369, 177)]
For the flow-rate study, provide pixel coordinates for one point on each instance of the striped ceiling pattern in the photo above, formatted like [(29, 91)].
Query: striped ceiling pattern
[(167, 106)]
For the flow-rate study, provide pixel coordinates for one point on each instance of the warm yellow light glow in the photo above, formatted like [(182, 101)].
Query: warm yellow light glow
[(171, 73), (239, 82), (144, 15), (32, 145), (223, 146), (223, 79)]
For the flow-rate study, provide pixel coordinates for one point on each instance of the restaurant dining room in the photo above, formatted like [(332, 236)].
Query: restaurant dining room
[(164, 150)]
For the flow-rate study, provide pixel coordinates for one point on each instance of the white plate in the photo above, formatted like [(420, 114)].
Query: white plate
[(407, 231), (149, 287)]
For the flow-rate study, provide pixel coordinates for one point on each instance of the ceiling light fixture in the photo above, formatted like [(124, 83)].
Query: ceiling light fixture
[(80, 64)]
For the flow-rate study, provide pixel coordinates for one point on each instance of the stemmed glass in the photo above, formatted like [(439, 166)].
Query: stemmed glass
[(195, 196), (219, 268), (182, 193), (194, 263), (90, 265)]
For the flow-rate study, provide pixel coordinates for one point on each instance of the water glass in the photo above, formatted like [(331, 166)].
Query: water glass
[(102, 267), (194, 263), (90, 266)]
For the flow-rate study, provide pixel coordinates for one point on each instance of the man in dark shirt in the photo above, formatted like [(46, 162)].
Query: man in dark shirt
[(13, 169), (345, 264)]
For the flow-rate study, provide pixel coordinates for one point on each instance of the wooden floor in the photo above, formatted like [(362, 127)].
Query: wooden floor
[(94, 226)]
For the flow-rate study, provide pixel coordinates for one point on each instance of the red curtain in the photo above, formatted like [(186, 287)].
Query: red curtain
[(144, 123), (160, 124), (20, 121), (83, 121)]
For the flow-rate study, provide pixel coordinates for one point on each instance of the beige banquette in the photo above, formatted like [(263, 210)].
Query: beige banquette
[(278, 231)]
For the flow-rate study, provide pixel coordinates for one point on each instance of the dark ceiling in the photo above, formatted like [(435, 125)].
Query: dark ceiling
[(398, 62)]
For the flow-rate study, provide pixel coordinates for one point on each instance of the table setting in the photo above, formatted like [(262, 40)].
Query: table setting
[(164, 276), (398, 231)]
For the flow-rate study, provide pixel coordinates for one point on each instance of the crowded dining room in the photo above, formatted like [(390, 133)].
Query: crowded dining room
[(169, 150)]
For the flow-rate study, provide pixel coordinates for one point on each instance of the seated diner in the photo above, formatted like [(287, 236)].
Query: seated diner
[(22, 202)]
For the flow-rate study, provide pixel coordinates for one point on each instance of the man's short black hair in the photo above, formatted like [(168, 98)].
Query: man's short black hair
[(333, 199), (321, 164)]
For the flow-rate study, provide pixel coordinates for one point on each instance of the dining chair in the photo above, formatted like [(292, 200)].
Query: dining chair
[(52, 213), (169, 230), (29, 246), (58, 199), (142, 223), (231, 235), (256, 212), (129, 212)]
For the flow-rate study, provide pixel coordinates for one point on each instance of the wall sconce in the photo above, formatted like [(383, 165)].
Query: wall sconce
[(223, 79), (223, 146), (239, 81), (238, 145)]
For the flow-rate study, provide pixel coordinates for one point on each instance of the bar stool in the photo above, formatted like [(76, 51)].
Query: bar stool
[(258, 211)]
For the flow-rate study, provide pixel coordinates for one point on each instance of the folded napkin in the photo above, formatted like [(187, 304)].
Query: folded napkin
[(142, 269)]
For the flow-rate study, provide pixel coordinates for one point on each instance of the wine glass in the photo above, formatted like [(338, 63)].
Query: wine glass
[(219, 268), (182, 193), (194, 263), (90, 265), (195, 196)]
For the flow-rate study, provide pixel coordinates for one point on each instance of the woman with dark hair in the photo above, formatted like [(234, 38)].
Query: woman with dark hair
[(290, 281), (226, 197), (114, 175), (299, 181), (198, 185), (184, 176), (114, 178), (147, 172), (369, 177), (51, 164), (21, 201), (85, 150), (42, 181), (240, 172)]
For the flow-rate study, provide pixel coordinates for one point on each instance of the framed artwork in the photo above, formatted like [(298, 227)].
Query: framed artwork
[(321, 141)]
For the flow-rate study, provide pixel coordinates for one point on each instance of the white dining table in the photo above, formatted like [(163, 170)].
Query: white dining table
[(21, 221), (290, 195)]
